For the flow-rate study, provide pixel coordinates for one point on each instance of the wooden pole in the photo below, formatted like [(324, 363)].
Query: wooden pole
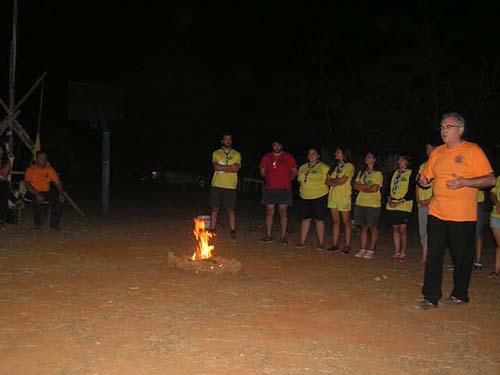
[(73, 204), (12, 75), (40, 79)]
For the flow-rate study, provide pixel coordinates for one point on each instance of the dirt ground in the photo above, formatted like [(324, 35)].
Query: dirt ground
[(98, 298)]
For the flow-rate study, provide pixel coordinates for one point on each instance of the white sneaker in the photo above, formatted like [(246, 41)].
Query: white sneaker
[(369, 254), (360, 254)]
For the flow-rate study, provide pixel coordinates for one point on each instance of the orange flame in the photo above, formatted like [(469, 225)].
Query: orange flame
[(203, 249)]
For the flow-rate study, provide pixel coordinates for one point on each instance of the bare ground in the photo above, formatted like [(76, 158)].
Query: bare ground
[(98, 298)]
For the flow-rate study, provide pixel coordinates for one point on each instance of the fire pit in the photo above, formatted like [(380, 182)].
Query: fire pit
[(202, 259)]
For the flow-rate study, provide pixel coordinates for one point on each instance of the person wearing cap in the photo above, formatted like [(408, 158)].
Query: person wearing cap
[(458, 168), (226, 162), (399, 206), (278, 168)]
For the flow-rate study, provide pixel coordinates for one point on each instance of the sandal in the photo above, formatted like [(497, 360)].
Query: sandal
[(333, 248), (402, 257), (396, 256), (493, 274)]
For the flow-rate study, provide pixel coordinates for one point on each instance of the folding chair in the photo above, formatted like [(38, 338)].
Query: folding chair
[(46, 204)]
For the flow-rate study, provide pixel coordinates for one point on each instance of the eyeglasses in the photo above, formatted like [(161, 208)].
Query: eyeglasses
[(447, 127)]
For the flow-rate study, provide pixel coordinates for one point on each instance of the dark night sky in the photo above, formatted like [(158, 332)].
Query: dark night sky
[(359, 73)]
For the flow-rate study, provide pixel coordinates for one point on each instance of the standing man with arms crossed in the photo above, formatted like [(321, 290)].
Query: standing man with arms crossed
[(278, 168), (226, 162), (458, 169)]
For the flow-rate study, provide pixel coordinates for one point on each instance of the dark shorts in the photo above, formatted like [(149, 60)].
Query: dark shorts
[(366, 216), (395, 217), (222, 198), (314, 208), (283, 197)]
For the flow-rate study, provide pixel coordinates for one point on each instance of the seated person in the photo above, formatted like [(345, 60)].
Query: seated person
[(5, 192), (38, 179)]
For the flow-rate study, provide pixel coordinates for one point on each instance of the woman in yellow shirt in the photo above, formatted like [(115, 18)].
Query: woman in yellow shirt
[(423, 197), (339, 198), (399, 206), (495, 225), (368, 204), (313, 197)]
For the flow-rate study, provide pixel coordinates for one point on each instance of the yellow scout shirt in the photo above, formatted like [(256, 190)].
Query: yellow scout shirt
[(424, 194), (480, 196), (221, 179), (496, 191), (341, 193), (370, 199), (400, 191), (312, 180)]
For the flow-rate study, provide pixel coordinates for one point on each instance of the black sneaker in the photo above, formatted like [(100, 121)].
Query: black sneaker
[(267, 239), (425, 305), (233, 234), (283, 241), (478, 268)]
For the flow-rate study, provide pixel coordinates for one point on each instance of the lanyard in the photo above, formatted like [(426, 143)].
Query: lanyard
[(339, 169), (366, 174), (397, 179), (227, 155), (309, 169)]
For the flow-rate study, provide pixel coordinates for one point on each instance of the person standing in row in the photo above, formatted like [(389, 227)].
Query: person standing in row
[(478, 266), (278, 168), (495, 226), (226, 162), (399, 206), (313, 197), (368, 204), (339, 198), (423, 197), (459, 168)]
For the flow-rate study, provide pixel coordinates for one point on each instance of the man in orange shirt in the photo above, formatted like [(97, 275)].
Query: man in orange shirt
[(38, 179), (458, 169)]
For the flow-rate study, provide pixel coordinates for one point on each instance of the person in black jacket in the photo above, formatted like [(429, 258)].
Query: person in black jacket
[(400, 204)]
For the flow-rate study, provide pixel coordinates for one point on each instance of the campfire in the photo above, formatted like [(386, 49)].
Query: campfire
[(202, 235), (202, 259)]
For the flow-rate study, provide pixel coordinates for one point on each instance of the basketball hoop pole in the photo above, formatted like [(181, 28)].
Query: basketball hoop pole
[(106, 164)]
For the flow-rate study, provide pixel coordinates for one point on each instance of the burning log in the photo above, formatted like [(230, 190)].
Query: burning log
[(202, 259)]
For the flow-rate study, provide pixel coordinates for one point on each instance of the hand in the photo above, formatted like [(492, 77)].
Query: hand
[(2, 178), (424, 203), (457, 183), (423, 181), (391, 203), (498, 207), (39, 197)]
